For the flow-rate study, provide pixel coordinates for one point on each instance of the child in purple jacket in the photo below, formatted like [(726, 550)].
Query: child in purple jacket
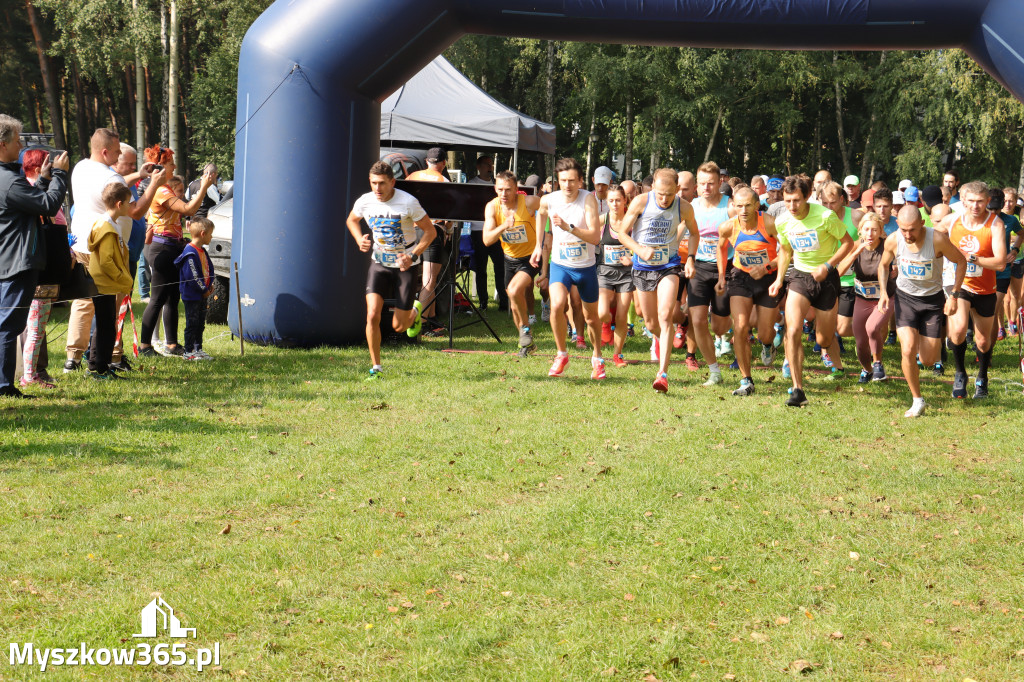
[(196, 284)]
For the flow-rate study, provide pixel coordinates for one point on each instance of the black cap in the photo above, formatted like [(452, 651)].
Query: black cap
[(532, 181), (931, 195), (435, 154)]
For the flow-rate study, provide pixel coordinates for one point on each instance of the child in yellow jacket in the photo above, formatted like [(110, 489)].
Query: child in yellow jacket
[(108, 265)]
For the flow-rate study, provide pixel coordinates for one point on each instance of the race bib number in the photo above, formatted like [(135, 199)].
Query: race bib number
[(572, 252), (916, 270), (517, 235), (707, 249), (388, 257), (613, 254), (658, 258), (749, 259), (867, 289), (974, 270), (804, 242)]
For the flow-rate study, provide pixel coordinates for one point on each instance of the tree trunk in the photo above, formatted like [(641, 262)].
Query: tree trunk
[(172, 89), (1020, 179), (714, 133), (655, 152), (817, 143), (844, 153), (80, 106), (549, 160), (165, 50), (140, 106), (49, 79), (627, 165), (151, 117), (867, 180), (590, 142)]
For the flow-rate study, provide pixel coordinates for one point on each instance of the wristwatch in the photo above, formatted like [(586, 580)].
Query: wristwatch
[(955, 293), (973, 258)]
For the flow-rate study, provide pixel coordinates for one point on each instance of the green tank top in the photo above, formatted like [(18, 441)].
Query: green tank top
[(851, 229)]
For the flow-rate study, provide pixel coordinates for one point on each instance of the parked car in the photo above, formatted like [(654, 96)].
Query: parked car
[(402, 161)]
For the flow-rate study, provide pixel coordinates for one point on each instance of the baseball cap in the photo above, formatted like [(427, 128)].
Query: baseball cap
[(774, 184), (868, 198), (435, 154), (932, 195), (912, 194), (851, 180), (905, 184), (603, 175), (722, 171), (897, 198)]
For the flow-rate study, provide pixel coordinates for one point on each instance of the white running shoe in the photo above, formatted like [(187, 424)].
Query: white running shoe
[(714, 379), (916, 409)]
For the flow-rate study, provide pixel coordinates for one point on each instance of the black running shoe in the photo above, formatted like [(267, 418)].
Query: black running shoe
[(797, 398), (980, 389), (960, 385)]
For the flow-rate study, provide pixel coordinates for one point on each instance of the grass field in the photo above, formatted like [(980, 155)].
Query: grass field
[(469, 518)]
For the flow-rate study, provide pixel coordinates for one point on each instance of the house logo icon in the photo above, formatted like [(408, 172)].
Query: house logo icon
[(159, 612)]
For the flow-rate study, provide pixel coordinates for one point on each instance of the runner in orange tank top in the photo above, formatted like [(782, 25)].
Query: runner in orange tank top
[(978, 233)]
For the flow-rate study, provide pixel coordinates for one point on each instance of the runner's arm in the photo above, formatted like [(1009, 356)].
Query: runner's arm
[(626, 229), (355, 228), (951, 253), (722, 252), (492, 231), (591, 232), (429, 232), (785, 257), (997, 261)]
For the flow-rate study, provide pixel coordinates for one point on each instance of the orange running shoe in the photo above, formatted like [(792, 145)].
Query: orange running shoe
[(558, 367)]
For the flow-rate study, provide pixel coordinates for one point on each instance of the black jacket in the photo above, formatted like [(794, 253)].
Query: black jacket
[(21, 206)]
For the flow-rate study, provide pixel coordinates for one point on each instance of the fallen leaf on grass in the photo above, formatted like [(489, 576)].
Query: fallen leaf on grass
[(392, 609), (225, 530), (801, 666), (650, 678), (628, 597), (458, 576), (855, 556), (379, 406), (836, 635), (782, 620), (610, 672), (759, 637), (408, 605)]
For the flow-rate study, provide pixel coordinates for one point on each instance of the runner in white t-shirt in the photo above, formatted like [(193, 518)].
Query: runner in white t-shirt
[(393, 216)]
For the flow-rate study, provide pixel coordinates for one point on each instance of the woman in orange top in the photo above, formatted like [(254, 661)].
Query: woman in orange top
[(164, 243)]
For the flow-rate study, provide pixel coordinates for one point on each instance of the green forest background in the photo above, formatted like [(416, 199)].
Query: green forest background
[(883, 115)]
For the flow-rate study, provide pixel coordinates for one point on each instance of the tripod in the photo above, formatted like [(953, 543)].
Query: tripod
[(451, 284)]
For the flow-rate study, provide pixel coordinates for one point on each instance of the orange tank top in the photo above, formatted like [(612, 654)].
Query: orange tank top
[(759, 248), (977, 280)]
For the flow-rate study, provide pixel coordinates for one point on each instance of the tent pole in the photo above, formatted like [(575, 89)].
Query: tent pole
[(515, 160)]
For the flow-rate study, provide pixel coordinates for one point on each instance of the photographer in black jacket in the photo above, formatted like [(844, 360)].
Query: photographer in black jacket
[(22, 253)]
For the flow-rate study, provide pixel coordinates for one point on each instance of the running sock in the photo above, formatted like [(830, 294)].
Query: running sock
[(563, 353), (984, 360), (713, 368), (378, 368), (959, 351), (749, 380), (943, 354), (692, 355)]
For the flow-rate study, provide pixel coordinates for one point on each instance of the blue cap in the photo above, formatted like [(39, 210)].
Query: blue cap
[(774, 184), (912, 194)]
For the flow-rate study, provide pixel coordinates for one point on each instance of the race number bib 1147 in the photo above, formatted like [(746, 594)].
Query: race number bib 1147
[(707, 249), (613, 254), (517, 235), (915, 269), (749, 259), (804, 242)]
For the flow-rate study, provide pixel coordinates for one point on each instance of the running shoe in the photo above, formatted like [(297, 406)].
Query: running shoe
[(980, 389), (159, 346), (661, 383), (203, 355), (104, 376), (569, 330), (679, 340), (1012, 330), (735, 364), (714, 379), (726, 346), (177, 351), (375, 375), (960, 385), (189, 355), (878, 372), (1000, 334), (619, 360), (718, 346), (597, 369), (532, 320), (646, 332), (786, 373), (836, 374), (920, 365), (777, 341), (746, 388), (545, 311), (525, 338), (606, 333), (842, 346), (72, 366), (865, 377), (916, 409), (691, 362), (890, 340), (630, 333), (148, 352), (121, 366), (655, 350), (938, 370), (797, 398), (808, 328), (580, 343), (559, 365), (826, 360), (817, 346), (417, 322), (768, 352)]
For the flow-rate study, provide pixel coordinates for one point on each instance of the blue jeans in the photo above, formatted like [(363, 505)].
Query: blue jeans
[(143, 275), (15, 298)]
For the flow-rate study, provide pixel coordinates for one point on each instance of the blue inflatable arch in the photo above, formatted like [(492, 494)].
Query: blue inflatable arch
[(312, 74)]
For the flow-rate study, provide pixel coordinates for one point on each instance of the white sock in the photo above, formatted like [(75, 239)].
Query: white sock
[(917, 401), (563, 353), (378, 368), (714, 369)]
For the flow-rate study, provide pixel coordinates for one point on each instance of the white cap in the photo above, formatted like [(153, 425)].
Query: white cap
[(905, 184), (603, 175), (897, 198)]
